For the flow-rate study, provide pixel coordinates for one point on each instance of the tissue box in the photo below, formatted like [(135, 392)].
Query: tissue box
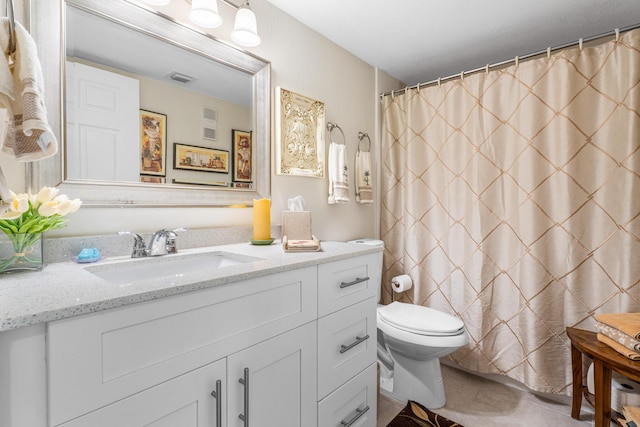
[(296, 225), (296, 232)]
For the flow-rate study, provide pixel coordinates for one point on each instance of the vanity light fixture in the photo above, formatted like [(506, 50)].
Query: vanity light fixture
[(204, 13), (245, 29)]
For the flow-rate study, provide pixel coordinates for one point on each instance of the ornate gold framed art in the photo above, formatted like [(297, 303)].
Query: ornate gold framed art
[(300, 127)]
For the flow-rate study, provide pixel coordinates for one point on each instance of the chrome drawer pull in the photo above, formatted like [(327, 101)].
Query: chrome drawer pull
[(245, 381), (345, 348), (217, 393), (359, 413), (355, 282)]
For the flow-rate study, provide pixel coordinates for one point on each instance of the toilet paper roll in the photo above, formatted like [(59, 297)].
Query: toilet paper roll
[(624, 392), (401, 283)]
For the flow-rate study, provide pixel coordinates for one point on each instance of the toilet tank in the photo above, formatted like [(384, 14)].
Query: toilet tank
[(378, 273)]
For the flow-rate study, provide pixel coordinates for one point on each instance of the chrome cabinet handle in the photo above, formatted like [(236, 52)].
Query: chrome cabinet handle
[(345, 348), (359, 413), (217, 394), (245, 381), (355, 282)]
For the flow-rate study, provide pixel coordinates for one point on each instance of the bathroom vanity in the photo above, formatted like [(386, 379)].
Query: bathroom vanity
[(275, 339)]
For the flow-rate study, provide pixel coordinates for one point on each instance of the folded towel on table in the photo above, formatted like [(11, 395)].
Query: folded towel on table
[(364, 180), (338, 174), (628, 323), (619, 336), (629, 354), (30, 137)]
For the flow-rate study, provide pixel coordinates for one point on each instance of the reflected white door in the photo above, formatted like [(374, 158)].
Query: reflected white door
[(103, 141)]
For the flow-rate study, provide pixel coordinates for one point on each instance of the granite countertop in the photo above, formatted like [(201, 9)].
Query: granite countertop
[(67, 289)]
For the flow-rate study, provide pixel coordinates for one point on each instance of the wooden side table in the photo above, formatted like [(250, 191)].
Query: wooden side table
[(605, 360)]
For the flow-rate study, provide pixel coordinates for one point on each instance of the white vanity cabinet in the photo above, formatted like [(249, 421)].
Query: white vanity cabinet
[(104, 363), (347, 381), (293, 345)]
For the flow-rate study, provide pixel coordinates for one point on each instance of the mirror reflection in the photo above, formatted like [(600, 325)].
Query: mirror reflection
[(234, 106), (140, 109)]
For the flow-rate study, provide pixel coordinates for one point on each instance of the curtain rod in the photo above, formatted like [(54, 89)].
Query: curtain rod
[(616, 32)]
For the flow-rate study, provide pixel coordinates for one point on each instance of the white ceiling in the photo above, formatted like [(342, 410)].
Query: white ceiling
[(417, 41)]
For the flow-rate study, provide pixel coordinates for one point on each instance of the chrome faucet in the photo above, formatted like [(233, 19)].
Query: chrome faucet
[(162, 242)]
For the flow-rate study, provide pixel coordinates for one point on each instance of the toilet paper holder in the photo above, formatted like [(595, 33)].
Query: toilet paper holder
[(399, 284)]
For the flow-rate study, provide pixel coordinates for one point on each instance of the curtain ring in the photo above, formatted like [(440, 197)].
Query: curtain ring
[(549, 52), (406, 90), (393, 94), (418, 88), (580, 44), (461, 76), (517, 61), (439, 80), (486, 69), (617, 34)]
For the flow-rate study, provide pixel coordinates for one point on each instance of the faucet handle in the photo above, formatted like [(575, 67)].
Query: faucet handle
[(171, 240), (139, 247)]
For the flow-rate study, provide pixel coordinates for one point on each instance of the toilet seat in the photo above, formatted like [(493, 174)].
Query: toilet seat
[(420, 320)]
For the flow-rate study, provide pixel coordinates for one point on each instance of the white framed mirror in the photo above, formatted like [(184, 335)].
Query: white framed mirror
[(193, 90)]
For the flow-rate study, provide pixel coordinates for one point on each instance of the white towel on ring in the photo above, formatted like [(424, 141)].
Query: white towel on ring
[(364, 178), (338, 174)]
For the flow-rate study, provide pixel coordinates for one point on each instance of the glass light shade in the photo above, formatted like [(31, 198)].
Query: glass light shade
[(205, 13), (157, 2), (245, 30)]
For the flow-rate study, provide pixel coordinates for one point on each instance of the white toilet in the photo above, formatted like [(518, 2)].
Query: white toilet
[(411, 340)]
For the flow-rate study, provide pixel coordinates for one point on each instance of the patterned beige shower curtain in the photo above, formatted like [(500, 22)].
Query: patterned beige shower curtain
[(512, 199)]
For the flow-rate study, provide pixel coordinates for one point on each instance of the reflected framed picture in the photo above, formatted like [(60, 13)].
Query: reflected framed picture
[(300, 125), (242, 155), (191, 157), (153, 143), (152, 179)]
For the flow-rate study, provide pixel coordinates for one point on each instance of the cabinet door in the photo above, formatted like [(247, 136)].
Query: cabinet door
[(274, 383), (186, 401)]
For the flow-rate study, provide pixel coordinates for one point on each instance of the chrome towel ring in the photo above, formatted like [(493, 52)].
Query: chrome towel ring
[(361, 136), (331, 127)]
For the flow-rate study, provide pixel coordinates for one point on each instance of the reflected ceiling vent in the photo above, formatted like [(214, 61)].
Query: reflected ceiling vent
[(182, 78)]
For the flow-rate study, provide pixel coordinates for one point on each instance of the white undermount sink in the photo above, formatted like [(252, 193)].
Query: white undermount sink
[(167, 266)]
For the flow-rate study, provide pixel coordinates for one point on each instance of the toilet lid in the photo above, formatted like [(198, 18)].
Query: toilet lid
[(420, 320)]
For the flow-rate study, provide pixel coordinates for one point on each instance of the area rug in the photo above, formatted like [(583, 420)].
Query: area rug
[(416, 415)]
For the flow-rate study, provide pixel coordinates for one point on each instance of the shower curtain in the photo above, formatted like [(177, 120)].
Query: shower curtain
[(512, 199)]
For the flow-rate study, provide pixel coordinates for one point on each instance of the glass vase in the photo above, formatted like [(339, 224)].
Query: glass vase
[(20, 252)]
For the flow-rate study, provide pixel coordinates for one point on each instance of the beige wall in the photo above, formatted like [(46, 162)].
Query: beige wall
[(302, 61)]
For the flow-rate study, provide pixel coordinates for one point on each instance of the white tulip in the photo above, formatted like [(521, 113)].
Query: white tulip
[(49, 208), (46, 194), (10, 215), (20, 203)]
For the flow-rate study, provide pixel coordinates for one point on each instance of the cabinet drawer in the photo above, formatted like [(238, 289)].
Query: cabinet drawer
[(355, 401), (346, 282), (346, 344), (185, 401), (102, 357)]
